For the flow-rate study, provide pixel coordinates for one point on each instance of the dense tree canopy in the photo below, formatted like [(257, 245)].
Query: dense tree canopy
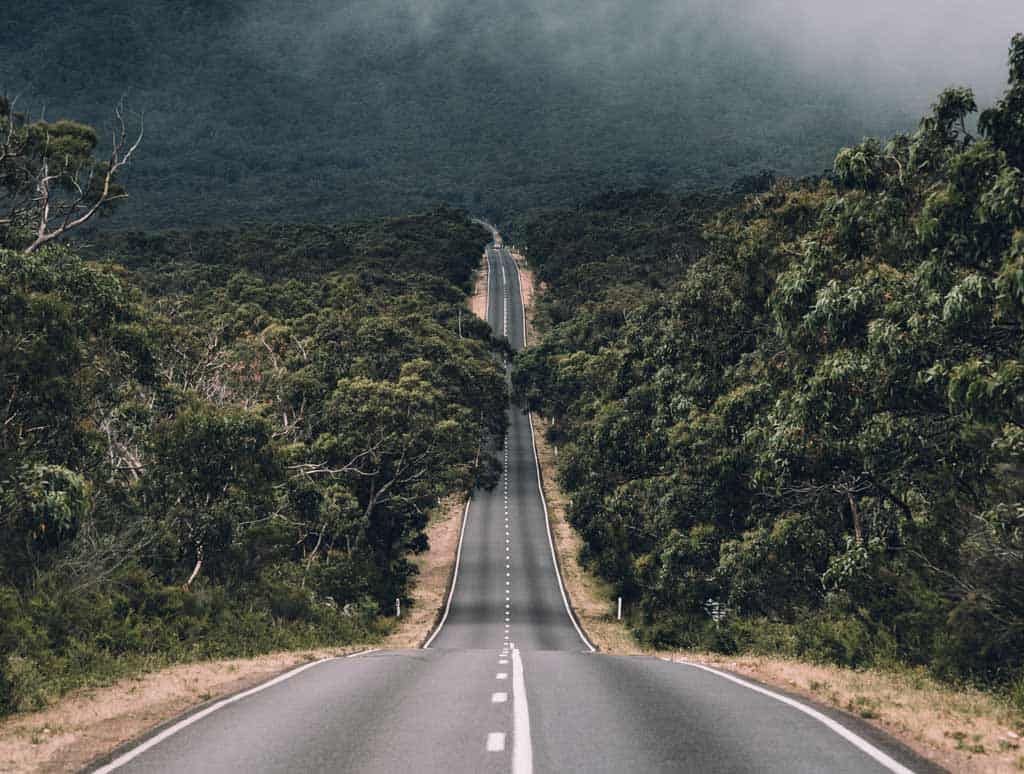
[(817, 422), (228, 442)]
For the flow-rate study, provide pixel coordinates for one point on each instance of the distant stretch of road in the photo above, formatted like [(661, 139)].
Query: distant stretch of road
[(508, 682)]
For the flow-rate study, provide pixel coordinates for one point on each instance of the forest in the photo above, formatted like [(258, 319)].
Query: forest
[(792, 414), (226, 442)]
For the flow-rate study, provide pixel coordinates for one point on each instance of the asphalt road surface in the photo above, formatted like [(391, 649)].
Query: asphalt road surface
[(508, 682)]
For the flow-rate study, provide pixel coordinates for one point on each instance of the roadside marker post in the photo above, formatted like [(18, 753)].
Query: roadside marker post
[(618, 617), (398, 607)]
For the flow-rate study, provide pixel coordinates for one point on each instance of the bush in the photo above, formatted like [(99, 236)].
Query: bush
[(837, 639), (22, 686)]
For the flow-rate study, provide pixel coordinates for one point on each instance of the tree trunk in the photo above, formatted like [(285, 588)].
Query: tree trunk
[(196, 569), (858, 527)]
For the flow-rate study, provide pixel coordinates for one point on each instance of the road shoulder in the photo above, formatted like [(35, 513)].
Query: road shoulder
[(89, 723)]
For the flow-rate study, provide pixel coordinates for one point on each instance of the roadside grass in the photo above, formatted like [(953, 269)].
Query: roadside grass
[(90, 722), (960, 728), (430, 592)]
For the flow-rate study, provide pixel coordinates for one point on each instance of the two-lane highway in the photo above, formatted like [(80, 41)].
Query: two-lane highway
[(508, 682), (508, 587)]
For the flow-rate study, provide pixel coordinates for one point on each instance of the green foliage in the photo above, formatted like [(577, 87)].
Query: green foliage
[(223, 443), (813, 418), (51, 178)]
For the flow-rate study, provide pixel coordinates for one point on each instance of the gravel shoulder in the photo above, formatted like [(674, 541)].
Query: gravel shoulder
[(478, 300)]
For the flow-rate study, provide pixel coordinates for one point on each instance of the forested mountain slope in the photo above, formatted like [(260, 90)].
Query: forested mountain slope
[(315, 109), (807, 417), (220, 443)]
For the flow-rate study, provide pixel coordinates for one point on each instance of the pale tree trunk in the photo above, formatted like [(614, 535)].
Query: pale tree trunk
[(196, 569)]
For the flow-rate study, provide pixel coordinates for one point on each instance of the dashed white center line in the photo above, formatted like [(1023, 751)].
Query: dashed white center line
[(499, 697), (501, 676), (495, 741)]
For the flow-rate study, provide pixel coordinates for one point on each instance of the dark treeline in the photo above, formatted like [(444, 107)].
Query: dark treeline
[(315, 108), (220, 443), (807, 414)]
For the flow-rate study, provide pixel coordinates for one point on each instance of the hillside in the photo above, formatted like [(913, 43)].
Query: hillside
[(313, 111)]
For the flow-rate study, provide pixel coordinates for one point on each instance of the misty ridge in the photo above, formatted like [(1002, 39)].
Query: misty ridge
[(322, 109)]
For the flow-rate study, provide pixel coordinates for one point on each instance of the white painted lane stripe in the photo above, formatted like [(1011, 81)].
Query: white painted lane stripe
[(499, 697), (495, 742), (503, 675), (522, 745), (153, 741), (455, 575), (857, 741), (366, 652), (551, 540)]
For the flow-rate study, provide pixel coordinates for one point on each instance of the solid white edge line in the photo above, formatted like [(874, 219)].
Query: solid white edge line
[(857, 741), (455, 575), (153, 741), (366, 652), (522, 745), (504, 299)]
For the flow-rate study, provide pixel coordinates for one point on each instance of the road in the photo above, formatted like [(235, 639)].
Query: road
[(508, 682)]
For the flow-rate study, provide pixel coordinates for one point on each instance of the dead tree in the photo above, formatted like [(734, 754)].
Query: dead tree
[(50, 180)]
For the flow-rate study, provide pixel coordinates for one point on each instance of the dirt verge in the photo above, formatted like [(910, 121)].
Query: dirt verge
[(963, 730), (478, 300), (434, 580), (89, 723)]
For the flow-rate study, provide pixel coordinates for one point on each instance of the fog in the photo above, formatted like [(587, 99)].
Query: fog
[(327, 108), (884, 50)]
